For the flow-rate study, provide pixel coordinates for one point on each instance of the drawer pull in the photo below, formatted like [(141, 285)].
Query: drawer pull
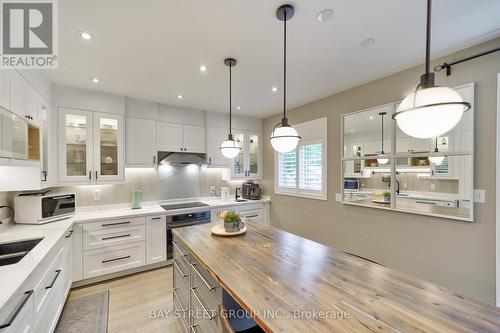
[(202, 278), (195, 294), (115, 259), (178, 300), (116, 223), (194, 329), (54, 280), (426, 202), (69, 234), (156, 218), (16, 312), (114, 237), (250, 216), (180, 270), (183, 255)]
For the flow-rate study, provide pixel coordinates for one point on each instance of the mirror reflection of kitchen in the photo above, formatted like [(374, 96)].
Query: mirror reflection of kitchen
[(433, 176)]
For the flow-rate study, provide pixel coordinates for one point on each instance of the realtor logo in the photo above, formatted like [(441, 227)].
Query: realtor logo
[(29, 34)]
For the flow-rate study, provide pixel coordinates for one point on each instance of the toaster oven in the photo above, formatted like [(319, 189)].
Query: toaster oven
[(39, 209)]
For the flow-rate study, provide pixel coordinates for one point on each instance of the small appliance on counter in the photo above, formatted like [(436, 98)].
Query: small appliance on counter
[(136, 199), (351, 185), (224, 193), (39, 208), (251, 191)]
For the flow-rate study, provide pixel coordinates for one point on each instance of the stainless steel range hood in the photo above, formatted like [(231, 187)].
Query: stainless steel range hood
[(176, 158)]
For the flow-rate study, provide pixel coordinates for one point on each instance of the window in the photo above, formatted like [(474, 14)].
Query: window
[(302, 172)]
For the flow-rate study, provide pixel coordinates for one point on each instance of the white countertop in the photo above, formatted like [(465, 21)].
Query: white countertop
[(415, 195), (13, 276)]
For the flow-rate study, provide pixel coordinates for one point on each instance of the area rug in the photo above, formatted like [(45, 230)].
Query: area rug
[(86, 314)]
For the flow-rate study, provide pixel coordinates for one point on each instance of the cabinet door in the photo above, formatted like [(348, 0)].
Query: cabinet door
[(17, 91), (19, 137), (239, 164), (5, 88), (141, 142), (170, 137), (254, 156), (156, 239), (6, 127), (195, 139), (75, 146), (108, 147), (215, 137)]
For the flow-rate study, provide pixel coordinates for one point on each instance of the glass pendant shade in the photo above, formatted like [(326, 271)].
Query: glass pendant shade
[(230, 148), (430, 112), (382, 160), (437, 160), (284, 138)]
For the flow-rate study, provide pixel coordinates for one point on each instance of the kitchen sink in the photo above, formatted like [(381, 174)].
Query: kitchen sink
[(13, 252), (241, 200)]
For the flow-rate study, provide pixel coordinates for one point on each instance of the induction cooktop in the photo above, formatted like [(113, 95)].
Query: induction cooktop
[(184, 205)]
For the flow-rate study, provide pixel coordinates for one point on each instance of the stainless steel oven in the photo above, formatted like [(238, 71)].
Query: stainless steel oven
[(183, 220)]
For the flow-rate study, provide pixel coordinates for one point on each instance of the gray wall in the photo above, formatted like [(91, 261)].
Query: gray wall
[(457, 255)]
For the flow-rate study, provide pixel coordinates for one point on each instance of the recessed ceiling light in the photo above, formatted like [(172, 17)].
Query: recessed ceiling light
[(85, 35), (325, 15), (95, 80), (203, 68), (366, 42), (180, 96), (238, 107), (274, 89), (371, 117), (352, 131)]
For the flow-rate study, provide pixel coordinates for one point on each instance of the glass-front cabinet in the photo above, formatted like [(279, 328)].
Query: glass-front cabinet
[(385, 168), (90, 146), (248, 164)]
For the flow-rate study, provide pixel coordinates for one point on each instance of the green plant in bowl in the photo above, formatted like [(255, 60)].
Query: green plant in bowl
[(232, 222), (387, 196)]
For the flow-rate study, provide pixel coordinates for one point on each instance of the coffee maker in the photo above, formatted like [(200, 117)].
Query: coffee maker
[(251, 191)]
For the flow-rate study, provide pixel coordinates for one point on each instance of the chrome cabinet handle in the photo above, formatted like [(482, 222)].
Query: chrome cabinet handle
[(180, 270), (156, 218), (195, 294), (114, 237), (194, 329), (69, 234), (178, 300), (90, 175), (54, 280), (183, 255), (115, 259), (202, 278), (249, 216), (16, 312), (96, 174), (117, 223)]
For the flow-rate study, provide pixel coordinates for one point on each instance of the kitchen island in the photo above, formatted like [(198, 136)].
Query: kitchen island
[(291, 284)]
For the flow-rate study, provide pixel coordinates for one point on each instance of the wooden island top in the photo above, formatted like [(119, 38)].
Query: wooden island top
[(292, 284)]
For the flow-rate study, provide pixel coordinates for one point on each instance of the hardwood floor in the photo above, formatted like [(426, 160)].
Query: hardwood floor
[(132, 298)]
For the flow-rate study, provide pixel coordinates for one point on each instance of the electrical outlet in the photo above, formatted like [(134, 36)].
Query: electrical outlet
[(97, 195), (212, 189), (433, 187), (480, 196), (338, 197)]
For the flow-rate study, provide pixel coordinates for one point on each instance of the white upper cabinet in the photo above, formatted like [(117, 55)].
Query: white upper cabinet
[(248, 163), (194, 139), (181, 138), (141, 142), (91, 146), (23, 99), (215, 137), (5, 88)]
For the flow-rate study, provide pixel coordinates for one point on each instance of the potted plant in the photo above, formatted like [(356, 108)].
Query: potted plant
[(232, 221), (387, 196)]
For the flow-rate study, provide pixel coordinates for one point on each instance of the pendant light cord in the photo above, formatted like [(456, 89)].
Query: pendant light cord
[(230, 100), (284, 66), (428, 39)]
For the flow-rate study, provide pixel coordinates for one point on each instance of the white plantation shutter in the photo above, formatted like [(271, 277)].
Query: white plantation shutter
[(311, 167), (287, 166)]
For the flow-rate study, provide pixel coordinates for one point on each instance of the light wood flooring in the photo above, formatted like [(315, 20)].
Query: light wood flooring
[(131, 298)]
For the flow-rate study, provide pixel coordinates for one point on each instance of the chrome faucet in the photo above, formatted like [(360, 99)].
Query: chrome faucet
[(236, 195)]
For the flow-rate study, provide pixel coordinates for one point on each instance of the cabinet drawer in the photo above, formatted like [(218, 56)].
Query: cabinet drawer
[(181, 256), (95, 239), (17, 313), (112, 224), (181, 286), (113, 259), (208, 290), (252, 215), (181, 312), (205, 319), (49, 284)]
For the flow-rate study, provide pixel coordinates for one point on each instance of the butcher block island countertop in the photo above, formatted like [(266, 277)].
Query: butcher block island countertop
[(278, 276)]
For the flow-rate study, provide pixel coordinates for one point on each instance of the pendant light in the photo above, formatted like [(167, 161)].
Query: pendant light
[(437, 160), (430, 110), (382, 158), (284, 137), (230, 148)]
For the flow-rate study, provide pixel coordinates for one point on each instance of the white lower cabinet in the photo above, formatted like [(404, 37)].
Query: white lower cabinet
[(38, 303), (156, 239)]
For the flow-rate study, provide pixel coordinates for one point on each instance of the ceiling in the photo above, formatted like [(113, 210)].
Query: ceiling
[(153, 49)]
